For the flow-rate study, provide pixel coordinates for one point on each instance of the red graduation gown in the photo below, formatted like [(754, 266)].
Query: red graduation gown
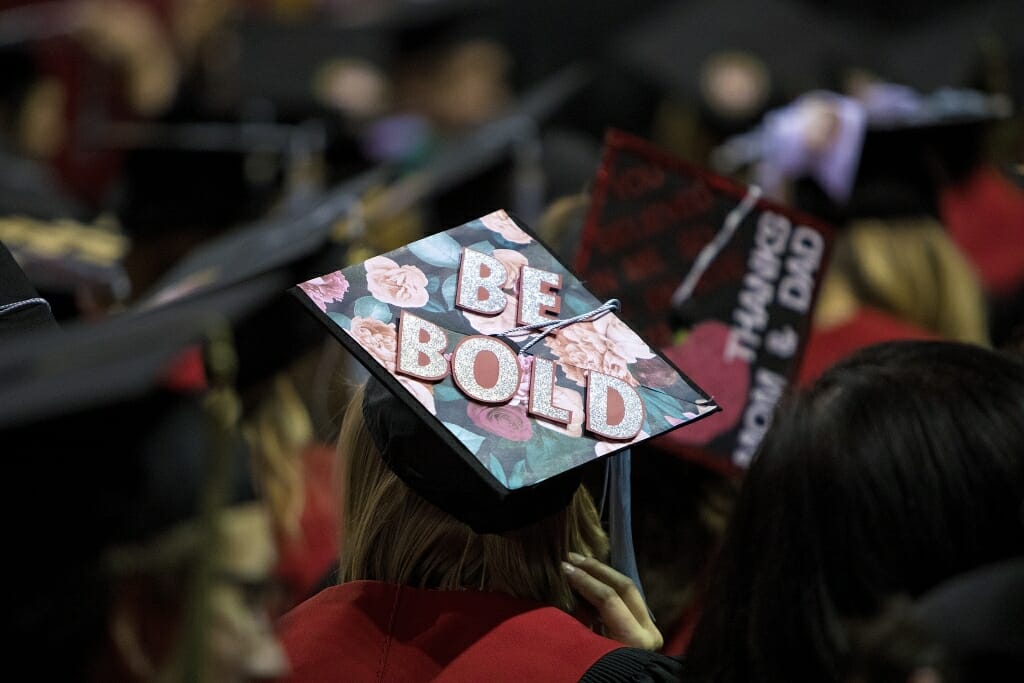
[(385, 633)]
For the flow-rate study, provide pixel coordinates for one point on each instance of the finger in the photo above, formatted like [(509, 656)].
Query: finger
[(622, 584), (612, 610)]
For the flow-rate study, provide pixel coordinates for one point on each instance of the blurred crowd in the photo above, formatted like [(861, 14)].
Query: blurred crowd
[(168, 168)]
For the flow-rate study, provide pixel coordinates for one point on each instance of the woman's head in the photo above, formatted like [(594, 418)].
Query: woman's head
[(900, 467), (911, 269), (392, 534)]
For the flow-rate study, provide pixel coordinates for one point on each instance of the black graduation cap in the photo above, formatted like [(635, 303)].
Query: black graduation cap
[(73, 265), (909, 153), (735, 58), (490, 421), (694, 50), (976, 618), (21, 308), (281, 62), (30, 188), (936, 45), (289, 247), (685, 248), (303, 243), (107, 447)]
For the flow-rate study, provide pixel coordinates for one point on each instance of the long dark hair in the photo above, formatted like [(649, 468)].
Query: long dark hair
[(900, 467)]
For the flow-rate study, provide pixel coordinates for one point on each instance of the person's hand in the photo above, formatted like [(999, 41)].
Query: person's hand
[(618, 602)]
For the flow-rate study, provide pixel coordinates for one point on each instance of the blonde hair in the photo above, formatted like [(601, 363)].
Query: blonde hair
[(278, 432), (392, 534), (912, 269)]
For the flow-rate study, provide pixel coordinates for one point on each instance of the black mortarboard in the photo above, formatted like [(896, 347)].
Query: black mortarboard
[(304, 242), (978, 620), (107, 448), (734, 58), (468, 412), (30, 188), (281, 62), (681, 246), (884, 153), (21, 308), (290, 246), (109, 379), (71, 264), (913, 145), (936, 45), (802, 46)]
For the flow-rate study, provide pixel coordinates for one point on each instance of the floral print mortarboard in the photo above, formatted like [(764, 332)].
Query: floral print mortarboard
[(503, 352)]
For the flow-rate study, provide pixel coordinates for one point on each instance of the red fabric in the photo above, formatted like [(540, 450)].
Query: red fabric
[(384, 633), (303, 561), (186, 373), (88, 168), (985, 217), (868, 326)]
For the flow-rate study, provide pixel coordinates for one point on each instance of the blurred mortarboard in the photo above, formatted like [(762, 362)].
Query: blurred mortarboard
[(281, 62), (695, 50), (307, 240), (881, 154), (937, 45), (21, 308), (913, 145), (734, 57), (63, 257), (290, 246), (279, 241), (544, 405), (106, 449), (419, 25), (681, 246), (29, 188), (978, 620)]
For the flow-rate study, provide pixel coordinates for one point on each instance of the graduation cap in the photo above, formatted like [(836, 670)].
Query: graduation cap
[(913, 144), (936, 45), (976, 620), (21, 308), (496, 375), (104, 434), (72, 264), (681, 246), (881, 153), (735, 58), (286, 62)]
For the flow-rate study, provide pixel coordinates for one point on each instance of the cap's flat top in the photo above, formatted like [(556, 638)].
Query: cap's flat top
[(362, 304)]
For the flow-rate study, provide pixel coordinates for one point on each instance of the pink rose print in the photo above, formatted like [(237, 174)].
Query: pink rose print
[(573, 402), (500, 223), (323, 290), (623, 341), (423, 392), (495, 324), (606, 447), (507, 421), (404, 286), (513, 262), (654, 372), (702, 357), (379, 339), (522, 395), (582, 347)]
